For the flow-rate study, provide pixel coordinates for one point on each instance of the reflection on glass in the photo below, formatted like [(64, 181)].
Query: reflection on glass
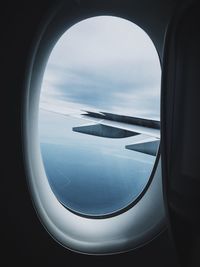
[(102, 77)]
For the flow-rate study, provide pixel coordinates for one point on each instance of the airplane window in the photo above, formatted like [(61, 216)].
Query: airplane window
[(99, 115)]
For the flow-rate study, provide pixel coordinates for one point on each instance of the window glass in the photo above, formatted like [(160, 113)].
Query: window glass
[(102, 72)]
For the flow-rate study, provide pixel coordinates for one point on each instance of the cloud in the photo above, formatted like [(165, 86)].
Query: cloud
[(104, 63)]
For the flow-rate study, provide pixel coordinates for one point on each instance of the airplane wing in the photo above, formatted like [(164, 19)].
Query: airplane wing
[(146, 132), (109, 125)]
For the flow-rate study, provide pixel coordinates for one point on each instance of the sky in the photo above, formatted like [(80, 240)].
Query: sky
[(103, 63)]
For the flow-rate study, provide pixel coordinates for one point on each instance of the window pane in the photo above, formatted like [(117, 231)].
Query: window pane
[(106, 68)]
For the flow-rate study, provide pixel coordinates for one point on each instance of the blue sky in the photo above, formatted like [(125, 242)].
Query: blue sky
[(106, 64)]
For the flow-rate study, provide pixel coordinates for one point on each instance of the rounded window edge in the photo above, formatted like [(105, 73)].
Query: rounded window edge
[(150, 176)]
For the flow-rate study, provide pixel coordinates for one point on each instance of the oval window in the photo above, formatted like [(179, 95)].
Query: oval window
[(99, 115)]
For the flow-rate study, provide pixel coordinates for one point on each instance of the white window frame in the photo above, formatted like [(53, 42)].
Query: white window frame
[(122, 232)]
